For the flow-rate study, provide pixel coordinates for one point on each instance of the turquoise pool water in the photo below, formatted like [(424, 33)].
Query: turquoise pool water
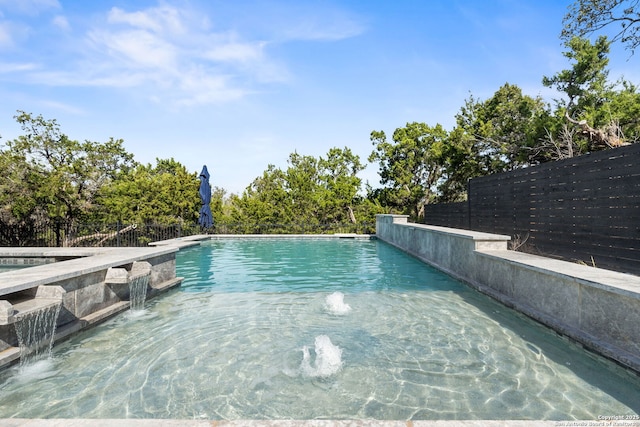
[(11, 267), (310, 328)]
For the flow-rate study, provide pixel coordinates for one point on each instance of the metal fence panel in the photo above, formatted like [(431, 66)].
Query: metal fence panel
[(87, 235), (122, 235), (584, 209)]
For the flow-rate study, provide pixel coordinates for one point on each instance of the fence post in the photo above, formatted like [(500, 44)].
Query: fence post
[(118, 233), (469, 204), (58, 234)]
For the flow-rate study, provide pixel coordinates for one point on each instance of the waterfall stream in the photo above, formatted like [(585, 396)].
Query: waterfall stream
[(138, 291), (36, 330)]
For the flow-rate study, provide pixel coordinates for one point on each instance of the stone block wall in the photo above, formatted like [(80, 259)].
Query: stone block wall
[(80, 284), (598, 308)]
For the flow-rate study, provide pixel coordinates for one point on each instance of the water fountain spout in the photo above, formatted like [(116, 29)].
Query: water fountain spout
[(35, 322), (136, 281)]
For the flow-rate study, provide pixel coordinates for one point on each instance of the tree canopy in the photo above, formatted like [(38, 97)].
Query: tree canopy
[(47, 174), (410, 166), (165, 193), (598, 113), (49, 177), (312, 193), (587, 17), (509, 130)]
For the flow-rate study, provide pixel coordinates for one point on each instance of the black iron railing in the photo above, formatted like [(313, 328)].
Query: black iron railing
[(87, 235), (139, 235)]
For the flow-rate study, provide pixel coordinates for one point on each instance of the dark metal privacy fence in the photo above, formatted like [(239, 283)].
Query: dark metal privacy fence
[(130, 235), (584, 209)]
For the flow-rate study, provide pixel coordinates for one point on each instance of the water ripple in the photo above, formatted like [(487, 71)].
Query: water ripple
[(415, 344)]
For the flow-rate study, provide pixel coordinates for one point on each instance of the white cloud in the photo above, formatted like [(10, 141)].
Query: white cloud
[(329, 28), (184, 62), (12, 33), (174, 56), (135, 48), (158, 19), (13, 30), (61, 22), (88, 77), (236, 52), (304, 20), (17, 67), (60, 106), (5, 35), (198, 87)]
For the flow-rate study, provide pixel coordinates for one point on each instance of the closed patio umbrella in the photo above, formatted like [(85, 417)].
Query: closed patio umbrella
[(206, 219)]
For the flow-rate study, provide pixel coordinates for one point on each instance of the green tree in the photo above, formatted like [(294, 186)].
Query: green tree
[(586, 17), (310, 192), (48, 176), (597, 112), (341, 184), (265, 201), (303, 183), (499, 132), (410, 166), (460, 163), (221, 206), (586, 81), (166, 193), (624, 107)]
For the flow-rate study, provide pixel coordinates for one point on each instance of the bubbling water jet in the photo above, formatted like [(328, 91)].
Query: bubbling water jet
[(335, 304), (328, 358)]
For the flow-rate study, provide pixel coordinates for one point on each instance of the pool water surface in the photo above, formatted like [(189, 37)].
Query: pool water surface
[(318, 328)]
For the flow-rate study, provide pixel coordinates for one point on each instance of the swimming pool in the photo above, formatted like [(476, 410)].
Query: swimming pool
[(310, 328)]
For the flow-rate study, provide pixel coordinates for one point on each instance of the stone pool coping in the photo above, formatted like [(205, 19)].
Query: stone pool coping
[(195, 240), (82, 262)]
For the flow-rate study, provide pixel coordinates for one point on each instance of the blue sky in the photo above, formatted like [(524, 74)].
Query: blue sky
[(238, 85)]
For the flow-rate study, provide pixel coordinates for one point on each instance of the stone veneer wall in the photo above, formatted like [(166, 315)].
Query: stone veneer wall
[(598, 308), (87, 299)]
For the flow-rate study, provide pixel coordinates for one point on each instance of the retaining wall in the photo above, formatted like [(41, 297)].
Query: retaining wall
[(78, 279), (598, 308)]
